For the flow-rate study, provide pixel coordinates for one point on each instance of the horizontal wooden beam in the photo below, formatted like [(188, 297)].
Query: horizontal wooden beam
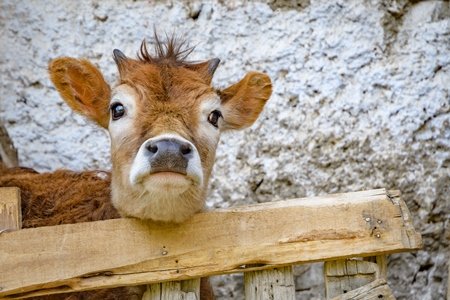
[(112, 253)]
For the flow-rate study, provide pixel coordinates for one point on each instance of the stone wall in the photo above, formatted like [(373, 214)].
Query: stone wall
[(361, 100)]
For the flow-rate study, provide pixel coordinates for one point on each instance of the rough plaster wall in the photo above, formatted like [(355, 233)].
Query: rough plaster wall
[(361, 100)]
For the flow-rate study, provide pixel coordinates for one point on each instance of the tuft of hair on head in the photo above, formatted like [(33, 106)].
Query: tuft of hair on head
[(174, 50)]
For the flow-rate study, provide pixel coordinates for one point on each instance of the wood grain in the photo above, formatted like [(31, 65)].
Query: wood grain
[(10, 212), (270, 284), (375, 290)]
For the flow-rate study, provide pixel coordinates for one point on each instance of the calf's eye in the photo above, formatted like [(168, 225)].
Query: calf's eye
[(213, 117), (117, 111)]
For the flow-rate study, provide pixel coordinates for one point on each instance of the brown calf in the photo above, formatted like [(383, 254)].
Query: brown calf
[(164, 119)]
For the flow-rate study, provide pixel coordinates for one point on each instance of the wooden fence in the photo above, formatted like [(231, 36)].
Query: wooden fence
[(351, 232)]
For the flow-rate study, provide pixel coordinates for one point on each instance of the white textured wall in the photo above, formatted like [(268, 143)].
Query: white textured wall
[(361, 100)]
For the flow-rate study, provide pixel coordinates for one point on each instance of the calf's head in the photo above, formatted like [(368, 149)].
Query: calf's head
[(164, 119)]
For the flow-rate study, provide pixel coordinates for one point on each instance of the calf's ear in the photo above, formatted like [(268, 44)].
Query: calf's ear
[(83, 88), (243, 102)]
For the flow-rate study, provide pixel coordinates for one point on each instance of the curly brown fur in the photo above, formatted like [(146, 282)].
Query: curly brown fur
[(62, 197)]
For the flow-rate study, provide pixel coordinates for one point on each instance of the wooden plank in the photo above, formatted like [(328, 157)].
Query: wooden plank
[(10, 212), (270, 284), (120, 252), (375, 290)]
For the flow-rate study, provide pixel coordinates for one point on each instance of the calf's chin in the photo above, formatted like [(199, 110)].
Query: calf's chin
[(167, 203)]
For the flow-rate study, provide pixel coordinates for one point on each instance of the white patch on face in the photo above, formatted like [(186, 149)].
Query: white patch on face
[(119, 129), (206, 129), (141, 170)]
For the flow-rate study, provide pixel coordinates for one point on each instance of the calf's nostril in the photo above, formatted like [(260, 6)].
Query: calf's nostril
[(152, 148), (165, 147), (185, 149)]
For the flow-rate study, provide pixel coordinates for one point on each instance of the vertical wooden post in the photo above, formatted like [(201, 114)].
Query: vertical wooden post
[(10, 211), (271, 284), (343, 276), (381, 261), (8, 154), (174, 290), (191, 289)]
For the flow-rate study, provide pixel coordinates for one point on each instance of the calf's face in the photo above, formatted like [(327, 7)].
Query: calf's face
[(164, 119)]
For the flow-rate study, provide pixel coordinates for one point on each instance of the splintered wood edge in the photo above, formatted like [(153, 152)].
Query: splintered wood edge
[(412, 238)]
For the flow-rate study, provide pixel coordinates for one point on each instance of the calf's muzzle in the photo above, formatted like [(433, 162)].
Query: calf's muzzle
[(168, 155)]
